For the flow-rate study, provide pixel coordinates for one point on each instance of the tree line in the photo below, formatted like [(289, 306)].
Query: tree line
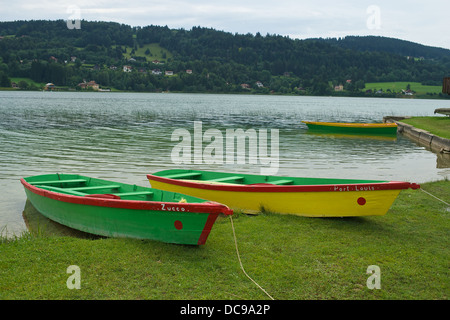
[(47, 51)]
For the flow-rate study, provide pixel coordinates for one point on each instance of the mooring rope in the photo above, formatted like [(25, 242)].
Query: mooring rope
[(435, 197), (240, 262)]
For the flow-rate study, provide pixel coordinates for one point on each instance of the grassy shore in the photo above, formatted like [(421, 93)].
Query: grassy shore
[(417, 87), (439, 126), (290, 257)]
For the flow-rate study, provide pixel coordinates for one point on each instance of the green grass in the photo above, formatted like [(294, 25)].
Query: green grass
[(156, 52), (439, 126), (290, 257), (29, 81), (399, 86)]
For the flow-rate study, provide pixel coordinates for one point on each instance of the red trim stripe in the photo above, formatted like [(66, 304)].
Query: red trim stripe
[(205, 207), (207, 228), (391, 185)]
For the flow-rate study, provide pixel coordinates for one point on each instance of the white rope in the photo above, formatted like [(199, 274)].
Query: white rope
[(435, 197), (240, 262)]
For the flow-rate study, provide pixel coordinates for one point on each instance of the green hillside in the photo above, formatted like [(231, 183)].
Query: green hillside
[(44, 51), (149, 51)]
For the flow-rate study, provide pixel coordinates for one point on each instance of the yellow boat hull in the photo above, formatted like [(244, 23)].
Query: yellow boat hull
[(311, 204)]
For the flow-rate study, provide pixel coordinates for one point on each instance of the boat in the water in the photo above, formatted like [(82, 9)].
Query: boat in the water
[(313, 197), (113, 209), (353, 128)]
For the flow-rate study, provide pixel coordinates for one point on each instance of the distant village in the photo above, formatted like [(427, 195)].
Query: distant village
[(93, 86)]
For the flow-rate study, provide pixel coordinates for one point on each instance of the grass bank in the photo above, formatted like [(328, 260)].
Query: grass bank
[(417, 87), (290, 257), (439, 126)]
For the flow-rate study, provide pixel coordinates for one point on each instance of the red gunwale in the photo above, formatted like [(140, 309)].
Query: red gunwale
[(206, 207), (391, 185)]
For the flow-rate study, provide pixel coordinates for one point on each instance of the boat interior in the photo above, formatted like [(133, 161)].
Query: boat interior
[(91, 187), (246, 179)]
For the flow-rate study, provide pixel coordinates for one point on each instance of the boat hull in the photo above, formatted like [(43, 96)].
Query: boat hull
[(353, 128), (171, 222), (344, 200)]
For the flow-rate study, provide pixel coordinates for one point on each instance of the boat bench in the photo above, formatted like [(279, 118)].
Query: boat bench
[(183, 175), (283, 181), (225, 179), (73, 192), (136, 193), (63, 190), (106, 186), (57, 181)]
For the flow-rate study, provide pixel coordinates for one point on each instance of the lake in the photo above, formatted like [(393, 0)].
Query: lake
[(124, 136)]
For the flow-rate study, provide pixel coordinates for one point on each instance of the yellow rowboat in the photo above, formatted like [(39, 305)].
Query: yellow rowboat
[(312, 197), (354, 128)]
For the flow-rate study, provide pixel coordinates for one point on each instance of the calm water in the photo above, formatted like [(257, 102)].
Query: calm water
[(124, 136)]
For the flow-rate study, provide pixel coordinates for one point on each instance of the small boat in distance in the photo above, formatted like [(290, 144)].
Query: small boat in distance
[(312, 197), (115, 209), (354, 128)]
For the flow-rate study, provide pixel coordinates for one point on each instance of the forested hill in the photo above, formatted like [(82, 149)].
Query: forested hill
[(157, 58), (389, 45)]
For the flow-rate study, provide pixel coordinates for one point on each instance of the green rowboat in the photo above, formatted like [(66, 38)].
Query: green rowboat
[(353, 128), (114, 209)]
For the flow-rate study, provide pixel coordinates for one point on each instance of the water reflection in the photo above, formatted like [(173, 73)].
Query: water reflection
[(353, 136), (36, 223)]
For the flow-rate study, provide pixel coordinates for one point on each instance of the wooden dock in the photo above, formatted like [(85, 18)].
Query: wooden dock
[(445, 111), (446, 85), (423, 137)]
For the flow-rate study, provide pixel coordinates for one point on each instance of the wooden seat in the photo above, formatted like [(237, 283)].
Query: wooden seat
[(63, 190), (58, 181), (282, 181), (106, 186), (136, 193), (183, 175), (225, 179)]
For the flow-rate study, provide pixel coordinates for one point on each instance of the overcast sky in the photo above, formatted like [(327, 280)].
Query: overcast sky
[(425, 22)]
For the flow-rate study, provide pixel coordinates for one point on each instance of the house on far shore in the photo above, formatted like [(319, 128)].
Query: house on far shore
[(90, 84), (189, 71), (127, 68), (339, 88), (49, 86), (169, 73)]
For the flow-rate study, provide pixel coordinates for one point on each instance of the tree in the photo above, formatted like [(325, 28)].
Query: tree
[(4, 80), (23, 85)]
